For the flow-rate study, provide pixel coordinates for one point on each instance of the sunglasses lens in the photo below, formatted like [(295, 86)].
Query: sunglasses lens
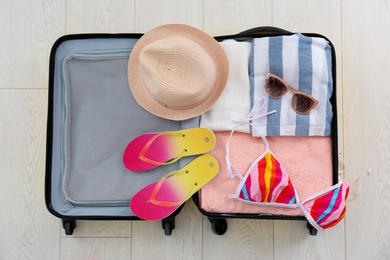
[(275, 88), (302, 103)]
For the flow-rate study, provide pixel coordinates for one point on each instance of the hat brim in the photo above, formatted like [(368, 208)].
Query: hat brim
[(209, 44)]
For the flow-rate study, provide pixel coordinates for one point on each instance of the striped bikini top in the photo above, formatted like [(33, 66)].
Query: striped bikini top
[(266, 183)]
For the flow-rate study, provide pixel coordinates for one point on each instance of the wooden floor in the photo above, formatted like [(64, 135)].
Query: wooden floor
[(360, 31)]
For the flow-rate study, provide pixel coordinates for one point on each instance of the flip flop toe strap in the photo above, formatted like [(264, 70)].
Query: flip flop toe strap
[(142, 154), (170, 203)]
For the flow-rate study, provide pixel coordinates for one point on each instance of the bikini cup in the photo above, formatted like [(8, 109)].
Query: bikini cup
[(267, 183), (327, 208)]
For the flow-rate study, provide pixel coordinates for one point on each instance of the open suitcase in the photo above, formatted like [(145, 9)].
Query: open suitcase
[(91, 118), (90, 122), (311, 161)]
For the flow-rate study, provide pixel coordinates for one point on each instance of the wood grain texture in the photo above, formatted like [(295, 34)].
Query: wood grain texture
[(28, 30), (108, 16), (294, 242), (233, 16), (149, 13), (244, 239), (117, 229), (28, 231), (314, 16), (95, 248), (367, 124), (149, 241)]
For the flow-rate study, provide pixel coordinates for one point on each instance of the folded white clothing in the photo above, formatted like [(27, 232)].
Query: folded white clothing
[(234, 103)]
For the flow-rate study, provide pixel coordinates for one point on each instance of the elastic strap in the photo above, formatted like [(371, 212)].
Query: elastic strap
[(253, 114), (342, 170), (358, 184), (342, 164)]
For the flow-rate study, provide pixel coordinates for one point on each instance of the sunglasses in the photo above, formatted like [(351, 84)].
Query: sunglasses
[(276, 87)]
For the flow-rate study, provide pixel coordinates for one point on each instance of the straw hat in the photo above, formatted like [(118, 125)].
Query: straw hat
[(177, 72)]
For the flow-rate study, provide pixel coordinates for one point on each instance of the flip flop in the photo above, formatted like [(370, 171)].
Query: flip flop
[(151, 150), (160, 199)]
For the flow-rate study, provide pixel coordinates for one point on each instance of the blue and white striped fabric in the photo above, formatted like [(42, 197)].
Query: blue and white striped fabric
[(305, 63)]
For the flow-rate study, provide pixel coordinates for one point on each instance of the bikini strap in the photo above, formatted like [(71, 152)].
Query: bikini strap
[(358, 185), (253, 114), (342, 169)]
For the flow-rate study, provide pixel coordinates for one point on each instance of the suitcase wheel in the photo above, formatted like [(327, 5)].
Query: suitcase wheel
[(168, 225), (69, 225), (312, 230), (218, 226)]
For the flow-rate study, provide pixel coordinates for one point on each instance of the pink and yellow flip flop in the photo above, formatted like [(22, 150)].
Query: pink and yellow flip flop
[(151, 150), (160, 199)]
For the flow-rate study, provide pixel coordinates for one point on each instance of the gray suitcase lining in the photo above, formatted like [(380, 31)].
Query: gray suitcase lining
[(94, 118)]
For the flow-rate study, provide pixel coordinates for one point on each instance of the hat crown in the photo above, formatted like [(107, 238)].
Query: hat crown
[(177, 72)]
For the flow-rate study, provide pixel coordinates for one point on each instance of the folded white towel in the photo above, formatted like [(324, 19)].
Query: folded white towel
[(234, 102)]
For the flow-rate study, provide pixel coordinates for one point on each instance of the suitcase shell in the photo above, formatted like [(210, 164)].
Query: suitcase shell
[(218, 219), (92, 116), (60, 201)]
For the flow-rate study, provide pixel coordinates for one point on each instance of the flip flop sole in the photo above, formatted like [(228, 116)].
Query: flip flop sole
[(159, 151), (144, 209), (166, 147), (160, 199)]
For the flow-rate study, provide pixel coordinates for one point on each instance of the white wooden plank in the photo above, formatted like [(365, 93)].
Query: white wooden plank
[(28, 30), (150, 14), (367, 122), (149, 241), (244, 239), (309, 16), (233, 16), (117, 229), (109, 16), (28, 231), (294, 242), (95, 248)]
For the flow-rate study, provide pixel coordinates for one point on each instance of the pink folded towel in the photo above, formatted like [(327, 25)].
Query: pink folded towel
[(307, 161)]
